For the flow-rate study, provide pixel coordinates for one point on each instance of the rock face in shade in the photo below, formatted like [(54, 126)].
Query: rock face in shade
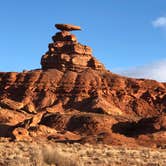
[(74, 98)]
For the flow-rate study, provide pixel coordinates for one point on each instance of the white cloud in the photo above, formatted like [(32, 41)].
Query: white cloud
[(160, 22), (156, 71)]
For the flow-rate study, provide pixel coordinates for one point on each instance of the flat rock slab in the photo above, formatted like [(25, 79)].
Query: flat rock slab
[(67, 27)]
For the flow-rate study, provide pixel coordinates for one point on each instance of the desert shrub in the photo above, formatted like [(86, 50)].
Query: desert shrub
[(53, 155)]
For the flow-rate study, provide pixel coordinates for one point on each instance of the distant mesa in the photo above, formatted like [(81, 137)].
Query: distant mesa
[(67, 27)]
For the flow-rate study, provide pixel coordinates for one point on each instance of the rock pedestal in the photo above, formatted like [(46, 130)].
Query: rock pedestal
[(66, 53)]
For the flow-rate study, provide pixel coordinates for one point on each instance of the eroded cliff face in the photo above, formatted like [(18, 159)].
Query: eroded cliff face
[(73, 97)]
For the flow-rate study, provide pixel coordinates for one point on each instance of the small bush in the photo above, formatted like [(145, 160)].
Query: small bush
[(52, 155)]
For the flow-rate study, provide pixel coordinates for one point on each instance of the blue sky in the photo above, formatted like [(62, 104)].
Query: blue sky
[(128, 36)]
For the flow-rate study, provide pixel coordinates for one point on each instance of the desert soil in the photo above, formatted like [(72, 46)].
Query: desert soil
[(49, 153)]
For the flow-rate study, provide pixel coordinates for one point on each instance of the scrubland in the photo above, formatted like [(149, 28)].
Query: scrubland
[(49, 153)]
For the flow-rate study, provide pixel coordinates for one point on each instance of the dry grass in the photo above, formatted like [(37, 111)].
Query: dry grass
[(58, 154), (52, 155)]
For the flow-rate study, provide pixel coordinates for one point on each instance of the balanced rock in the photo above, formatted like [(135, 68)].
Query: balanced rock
[(67, 27), (65, 53)]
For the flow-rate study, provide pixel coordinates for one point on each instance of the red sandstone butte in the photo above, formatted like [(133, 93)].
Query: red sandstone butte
[(73, 98)]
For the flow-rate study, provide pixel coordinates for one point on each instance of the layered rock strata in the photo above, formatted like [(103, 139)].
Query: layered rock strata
[(65, 53)]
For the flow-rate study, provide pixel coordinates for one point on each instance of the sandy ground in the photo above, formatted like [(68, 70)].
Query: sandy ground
[(44, 153)]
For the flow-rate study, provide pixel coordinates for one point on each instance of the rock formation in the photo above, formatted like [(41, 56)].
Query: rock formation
[(67, 27), (74, 98), (65, 53)]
